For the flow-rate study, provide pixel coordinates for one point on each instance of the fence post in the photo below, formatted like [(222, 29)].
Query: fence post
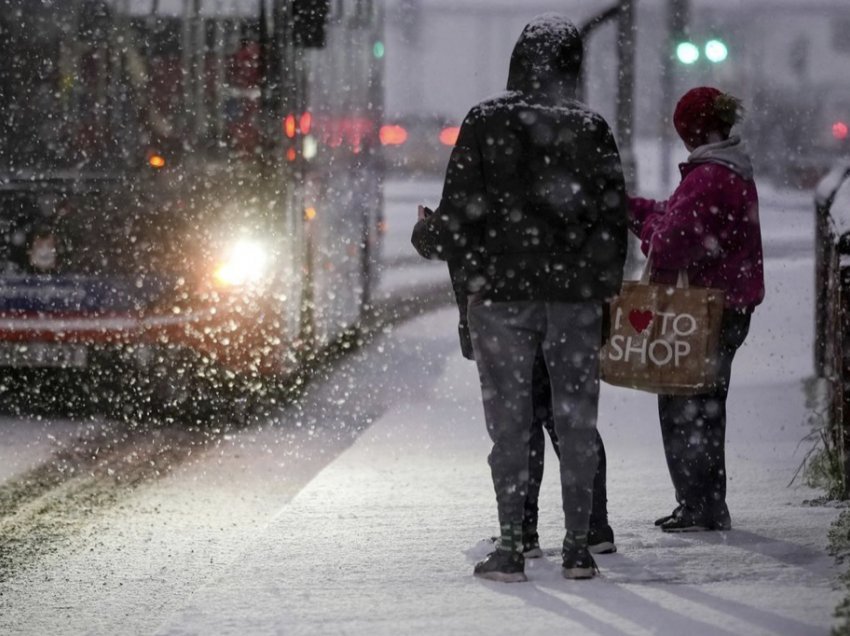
[(841, 429)]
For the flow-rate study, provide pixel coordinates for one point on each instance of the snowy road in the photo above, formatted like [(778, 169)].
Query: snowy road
[(359, 509)]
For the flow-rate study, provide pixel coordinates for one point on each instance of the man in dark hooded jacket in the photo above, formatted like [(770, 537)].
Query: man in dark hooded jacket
[(533, 214)]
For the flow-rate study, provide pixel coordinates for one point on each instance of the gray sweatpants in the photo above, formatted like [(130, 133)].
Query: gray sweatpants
[(505, 338)]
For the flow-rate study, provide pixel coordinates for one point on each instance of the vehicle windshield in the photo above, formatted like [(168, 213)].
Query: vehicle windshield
[(91, 89), (64, 94)]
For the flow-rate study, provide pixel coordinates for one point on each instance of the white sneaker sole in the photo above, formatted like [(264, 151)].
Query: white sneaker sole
[(503, 577), (606, 547), (578, 573)]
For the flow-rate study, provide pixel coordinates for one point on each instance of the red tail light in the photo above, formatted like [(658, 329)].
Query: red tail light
[(448, 135), (392, 135), (289, 126), (306, 123), (840, 130)]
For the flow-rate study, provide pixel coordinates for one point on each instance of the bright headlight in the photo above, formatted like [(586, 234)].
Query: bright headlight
[(245, 262)]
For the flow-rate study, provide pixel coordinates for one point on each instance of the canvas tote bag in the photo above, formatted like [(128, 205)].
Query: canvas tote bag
[(663, 338)]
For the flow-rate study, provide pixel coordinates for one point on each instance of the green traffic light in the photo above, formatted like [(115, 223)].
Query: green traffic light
[(378, 50), (687, 52), (716, 51)]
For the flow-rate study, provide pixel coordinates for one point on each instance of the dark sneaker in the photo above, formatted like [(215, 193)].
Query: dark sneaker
[(601, 540), (686, 521), (530, 546), (503, 566), (578, 563), (666, 518)]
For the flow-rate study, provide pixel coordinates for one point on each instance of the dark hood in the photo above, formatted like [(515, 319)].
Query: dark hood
[(547, 57)]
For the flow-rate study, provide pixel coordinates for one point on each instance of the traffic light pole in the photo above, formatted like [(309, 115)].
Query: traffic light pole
[(625, 88), (677, 24), (623, 11)]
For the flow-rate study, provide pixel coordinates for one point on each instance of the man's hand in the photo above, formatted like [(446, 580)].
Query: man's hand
[(424, 236)]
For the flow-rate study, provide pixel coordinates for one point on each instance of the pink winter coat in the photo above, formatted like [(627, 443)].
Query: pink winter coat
[(709, 226)]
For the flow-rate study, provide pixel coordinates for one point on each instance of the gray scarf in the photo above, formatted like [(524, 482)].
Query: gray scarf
[(729, 152)]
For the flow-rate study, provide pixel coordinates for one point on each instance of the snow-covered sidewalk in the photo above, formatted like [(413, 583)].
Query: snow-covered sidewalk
[(383, 540)]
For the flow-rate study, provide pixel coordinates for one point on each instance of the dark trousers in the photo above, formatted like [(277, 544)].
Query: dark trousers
[(693, 429), (506, 338), (542, 401)]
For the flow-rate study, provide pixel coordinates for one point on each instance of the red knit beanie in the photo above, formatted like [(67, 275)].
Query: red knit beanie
[(703, 110)]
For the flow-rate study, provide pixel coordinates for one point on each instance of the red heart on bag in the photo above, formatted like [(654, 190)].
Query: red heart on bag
[(640, 319)]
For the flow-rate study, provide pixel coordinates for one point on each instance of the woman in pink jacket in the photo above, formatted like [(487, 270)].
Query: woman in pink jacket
[(710, 228)]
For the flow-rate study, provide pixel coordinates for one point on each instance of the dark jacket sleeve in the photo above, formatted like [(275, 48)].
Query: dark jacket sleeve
[(609, 239), (452, 232), (454, 229)]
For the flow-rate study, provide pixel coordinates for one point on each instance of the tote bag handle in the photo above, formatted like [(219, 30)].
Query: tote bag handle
[(681, 280)]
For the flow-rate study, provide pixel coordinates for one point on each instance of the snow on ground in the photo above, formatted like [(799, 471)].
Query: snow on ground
[(27, 443), (383, 540)]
